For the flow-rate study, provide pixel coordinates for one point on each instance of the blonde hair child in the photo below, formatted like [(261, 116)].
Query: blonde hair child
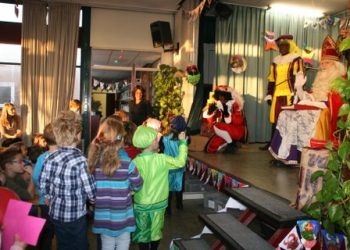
[(116, 177)]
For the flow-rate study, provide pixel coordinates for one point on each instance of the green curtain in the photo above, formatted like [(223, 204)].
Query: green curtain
[(243, 34)]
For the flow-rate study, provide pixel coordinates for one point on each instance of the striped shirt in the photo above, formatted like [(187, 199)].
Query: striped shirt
[(66, 183), (114, 212)]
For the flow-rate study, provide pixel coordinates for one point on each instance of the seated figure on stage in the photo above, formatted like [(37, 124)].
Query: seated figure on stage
[(314, 116), (224, 114)]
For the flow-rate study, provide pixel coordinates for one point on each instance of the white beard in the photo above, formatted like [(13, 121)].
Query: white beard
[(322, 83)]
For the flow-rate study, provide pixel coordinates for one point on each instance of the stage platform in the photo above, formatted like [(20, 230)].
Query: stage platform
[(252, 166)]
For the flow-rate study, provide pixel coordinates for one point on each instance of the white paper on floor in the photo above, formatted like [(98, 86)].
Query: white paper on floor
[(231, 203)]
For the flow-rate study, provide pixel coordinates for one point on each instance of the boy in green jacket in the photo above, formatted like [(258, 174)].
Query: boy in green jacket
[(151, 200)]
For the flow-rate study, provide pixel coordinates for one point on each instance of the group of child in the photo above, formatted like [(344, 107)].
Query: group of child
[(125, 177)]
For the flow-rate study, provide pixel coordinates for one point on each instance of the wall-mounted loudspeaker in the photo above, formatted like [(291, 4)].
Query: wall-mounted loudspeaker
[(161, 34)]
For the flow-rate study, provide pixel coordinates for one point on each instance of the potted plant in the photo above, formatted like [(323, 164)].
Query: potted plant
[(332, 205), (95, 107), (168, 96)]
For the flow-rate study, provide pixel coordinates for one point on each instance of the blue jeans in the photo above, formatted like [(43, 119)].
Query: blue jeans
[(71, 235), (120, 242)]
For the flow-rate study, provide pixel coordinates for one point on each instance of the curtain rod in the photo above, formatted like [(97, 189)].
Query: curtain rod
[(247, 5)]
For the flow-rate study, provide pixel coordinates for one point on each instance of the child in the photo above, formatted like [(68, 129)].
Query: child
[(130, 128), (171, 147), (22, 147), (116, 177), (11, 163), (66, 183), (75, 106), (151, 201), (47, 233), (10, 122)]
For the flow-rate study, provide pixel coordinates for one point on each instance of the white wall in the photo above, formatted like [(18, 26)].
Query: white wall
[(120, 29)]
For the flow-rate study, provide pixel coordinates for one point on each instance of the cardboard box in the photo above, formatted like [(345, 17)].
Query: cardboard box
[(312, 160), (198, 143)]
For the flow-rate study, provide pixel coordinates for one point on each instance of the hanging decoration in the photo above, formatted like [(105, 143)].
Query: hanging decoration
[(332, 241), (307, 54), (193, 76), (306, 235), (16, 8), (238, 64), (323, 22), (291, 241), (195, 13), (270, 43), (344, 28), (309, 230), (217, 179)]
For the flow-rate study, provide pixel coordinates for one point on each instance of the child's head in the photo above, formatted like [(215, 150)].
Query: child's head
[(111, 130), (22, 147), (11, 161), (75, 105), (105, 146), (34, 152), (145, 138), (67, 128), (153, 123), (130, 129), (124, 116), (178, 124), (8, 111), (48, 135), (39, 140)]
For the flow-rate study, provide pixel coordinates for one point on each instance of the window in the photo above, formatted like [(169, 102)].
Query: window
[(7, 13), (10, 60)]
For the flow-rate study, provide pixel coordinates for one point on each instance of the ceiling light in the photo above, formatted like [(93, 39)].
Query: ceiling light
[(296, 9)]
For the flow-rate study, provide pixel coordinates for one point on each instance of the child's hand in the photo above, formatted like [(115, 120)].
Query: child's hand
[(182, 136), (29, 169), (18, 243)]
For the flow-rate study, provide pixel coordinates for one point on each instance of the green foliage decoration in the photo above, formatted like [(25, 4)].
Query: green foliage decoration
[(167, 82), (332, 205)]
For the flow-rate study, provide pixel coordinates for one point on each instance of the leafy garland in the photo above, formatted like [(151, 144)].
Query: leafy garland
[(168, 96), (332, 205)]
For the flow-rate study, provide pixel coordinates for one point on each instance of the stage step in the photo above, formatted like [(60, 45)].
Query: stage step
[(215, 200), (196, 185), (268, 207), (232, 233), (191, 244), (192, 195)]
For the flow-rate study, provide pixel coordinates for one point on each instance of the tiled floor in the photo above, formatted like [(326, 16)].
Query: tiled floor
[(249, 164), (180, 224)]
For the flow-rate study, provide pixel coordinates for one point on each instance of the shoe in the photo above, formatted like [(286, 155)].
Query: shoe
[(230, 148), (274, 162), (265, 147), (280, 164), (179, 206)]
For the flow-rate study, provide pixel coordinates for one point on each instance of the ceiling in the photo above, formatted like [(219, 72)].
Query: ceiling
[(170, 6), (115, 65), (113, 60)]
